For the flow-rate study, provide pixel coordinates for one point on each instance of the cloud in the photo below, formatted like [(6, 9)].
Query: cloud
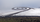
[(9, 4)]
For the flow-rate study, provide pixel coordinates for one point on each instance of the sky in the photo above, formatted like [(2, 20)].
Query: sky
[(7, 5)]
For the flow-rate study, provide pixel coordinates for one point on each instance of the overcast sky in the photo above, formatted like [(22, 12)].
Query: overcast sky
[(7, 5)]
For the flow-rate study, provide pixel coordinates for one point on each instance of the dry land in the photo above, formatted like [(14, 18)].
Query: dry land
[(19, 19)]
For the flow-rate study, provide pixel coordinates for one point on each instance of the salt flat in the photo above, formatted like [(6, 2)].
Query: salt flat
[(31, 12)]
